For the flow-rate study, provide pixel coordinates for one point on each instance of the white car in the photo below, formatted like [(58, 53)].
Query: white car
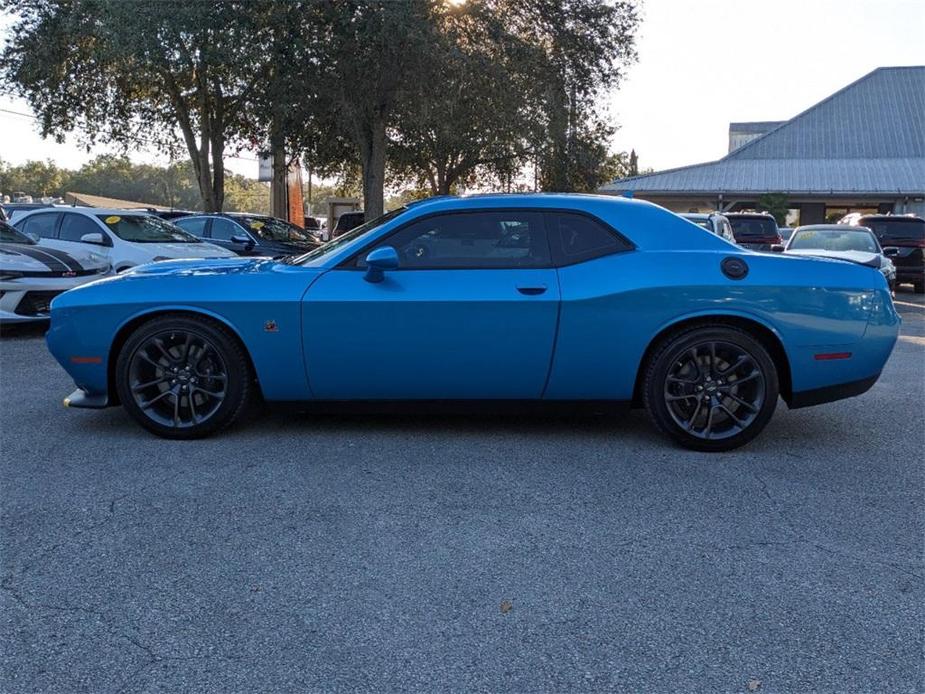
[(32, 275), (126, 237), (854, 244)]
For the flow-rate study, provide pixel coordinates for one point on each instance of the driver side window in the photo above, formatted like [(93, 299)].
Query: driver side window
[(473, 240)]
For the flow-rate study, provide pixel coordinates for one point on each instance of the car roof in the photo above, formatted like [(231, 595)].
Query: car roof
[(762, 215), (831, 227), (892, 217)]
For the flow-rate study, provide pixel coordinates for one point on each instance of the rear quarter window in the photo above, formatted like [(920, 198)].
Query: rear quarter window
[(576, 237)]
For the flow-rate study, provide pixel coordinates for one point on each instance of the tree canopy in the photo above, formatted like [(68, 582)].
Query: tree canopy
[(424, 94)]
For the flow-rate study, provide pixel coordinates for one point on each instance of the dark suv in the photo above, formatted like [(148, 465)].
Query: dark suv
[(249, 234), (755, 230), (905, 232)]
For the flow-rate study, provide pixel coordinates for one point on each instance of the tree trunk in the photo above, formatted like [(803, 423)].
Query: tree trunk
[(372, 153), (279, 186), (218, 172)]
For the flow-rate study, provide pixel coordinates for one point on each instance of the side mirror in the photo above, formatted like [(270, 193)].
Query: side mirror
[(891, 251), (245, 241), (777, 248), (94, 237), (378, 261), (35, 237)]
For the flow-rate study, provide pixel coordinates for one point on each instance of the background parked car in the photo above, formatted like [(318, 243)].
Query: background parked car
[(755, 230), (31, 276), (714, 222), (250, 234), (126, 237), (15, 210), (171, 215), (907, 234), (348, 221), (843, 242), (785, 233)]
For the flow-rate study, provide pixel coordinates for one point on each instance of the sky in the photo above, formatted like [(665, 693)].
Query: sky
[(706, 63), (702, 64)]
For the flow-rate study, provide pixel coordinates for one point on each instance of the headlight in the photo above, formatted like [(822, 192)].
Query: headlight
[(9, 275)]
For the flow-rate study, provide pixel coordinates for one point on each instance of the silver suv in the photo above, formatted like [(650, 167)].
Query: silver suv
[(714, 222)]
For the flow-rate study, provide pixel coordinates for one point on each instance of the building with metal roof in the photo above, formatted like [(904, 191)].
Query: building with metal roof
[(88, 200), (860, 149)]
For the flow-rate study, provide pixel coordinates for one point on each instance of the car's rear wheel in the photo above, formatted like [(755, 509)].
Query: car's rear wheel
[(183, 377), (919, 287), (711, 388)]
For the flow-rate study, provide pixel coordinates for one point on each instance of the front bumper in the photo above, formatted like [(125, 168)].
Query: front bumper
[(82, 399), (28, 300)]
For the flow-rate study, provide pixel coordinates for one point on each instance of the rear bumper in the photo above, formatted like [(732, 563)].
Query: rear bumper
[(818, 396), (906, 273)]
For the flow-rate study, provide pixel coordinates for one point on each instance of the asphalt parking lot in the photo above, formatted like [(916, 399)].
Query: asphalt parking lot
[(436, 553)]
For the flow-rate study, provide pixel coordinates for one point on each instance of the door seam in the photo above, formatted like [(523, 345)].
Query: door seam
[(555, 339)]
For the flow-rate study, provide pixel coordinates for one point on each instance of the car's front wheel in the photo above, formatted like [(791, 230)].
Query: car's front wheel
[(183, 377), (711, 388)]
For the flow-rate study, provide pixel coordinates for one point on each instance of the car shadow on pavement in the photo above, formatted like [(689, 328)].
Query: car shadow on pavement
[(25, 331)]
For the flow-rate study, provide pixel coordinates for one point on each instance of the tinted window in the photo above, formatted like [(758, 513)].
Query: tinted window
[(223, 229), (472, 240), (576, 237), (73, 226), (195, 225), (41, 224), (746, 227), (272, 229), (9, 235), (146, 228), (896, 229)]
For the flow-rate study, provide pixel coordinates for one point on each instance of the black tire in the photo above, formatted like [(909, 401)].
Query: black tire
[(919, 287), (699, 372), (183, 377)]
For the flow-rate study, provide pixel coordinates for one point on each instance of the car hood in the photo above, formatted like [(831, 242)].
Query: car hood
[(230, 265), (859, 257), (187, 250), (33, 258)]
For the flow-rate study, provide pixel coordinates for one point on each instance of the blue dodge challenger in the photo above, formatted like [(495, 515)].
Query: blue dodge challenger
[(553, 298)]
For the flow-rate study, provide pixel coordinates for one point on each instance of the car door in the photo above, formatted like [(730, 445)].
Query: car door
[(197, 226), (223, 230), (470, 313), (74, 226), (42, 224)]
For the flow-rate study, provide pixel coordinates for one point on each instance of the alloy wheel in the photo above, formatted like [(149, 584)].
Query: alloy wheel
[(178, 378), (714, 390)]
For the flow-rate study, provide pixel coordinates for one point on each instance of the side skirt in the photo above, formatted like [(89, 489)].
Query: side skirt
[(460, 407)]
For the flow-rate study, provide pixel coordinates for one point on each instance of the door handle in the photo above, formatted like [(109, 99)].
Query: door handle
[(532, 291)]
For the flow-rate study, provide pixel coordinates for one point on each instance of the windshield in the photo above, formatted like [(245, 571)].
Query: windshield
[(273, 229), (146, 228), (896, 229), (834, 240), (9, 235), (753, 226), (342, 240)]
